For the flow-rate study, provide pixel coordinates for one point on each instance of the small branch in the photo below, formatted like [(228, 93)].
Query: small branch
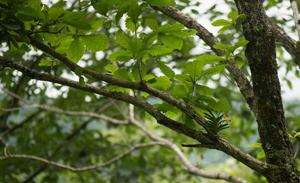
[(296, 16), (68, 138), (20, 125), (191, 23), (79, 169), (71, 113), (60, 111), (199, 146), (287, 42)]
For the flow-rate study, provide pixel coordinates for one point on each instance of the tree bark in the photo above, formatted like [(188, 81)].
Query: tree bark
[(261, 55)]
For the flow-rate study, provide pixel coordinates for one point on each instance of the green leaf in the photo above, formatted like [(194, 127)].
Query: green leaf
[(203, 90), (138, 71), (215, 122), (122, 73), (233, 15), (162, 82), (161, 2), (152, 23), (179, 91), (76, 19), (222, 46), (120, 56), (81, 81), (221, 22), (165, 69), (213, 70), (148, 77), (241, 43), (158, 50), (209, 59), (111, 68), (54, 12), (95, 42), (76, 50), (255, 145), (47, 62), (103, 6), (261, 155), (123, 40), (28, 13), (194, 68), (130, 25), (35, 4), (134, 10), (222, 106), (172, 42)]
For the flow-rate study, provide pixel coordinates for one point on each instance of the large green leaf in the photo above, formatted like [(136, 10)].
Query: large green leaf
[(95, 42), (162, 82), (208, 59), (76, 19), (161, 2), (165, 69), (158, 50), (76, 50), (172, 41)]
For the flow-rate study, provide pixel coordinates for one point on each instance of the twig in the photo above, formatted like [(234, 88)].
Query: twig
[(68, 138), (79, 169), (60, 111)]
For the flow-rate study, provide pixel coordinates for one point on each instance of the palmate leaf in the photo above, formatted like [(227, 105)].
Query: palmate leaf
[(215, 122)]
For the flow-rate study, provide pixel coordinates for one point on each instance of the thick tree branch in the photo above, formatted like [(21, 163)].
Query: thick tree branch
[(239, 77), (261, 55)]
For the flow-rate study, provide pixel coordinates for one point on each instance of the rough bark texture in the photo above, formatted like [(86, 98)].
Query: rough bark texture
[(261, 55)]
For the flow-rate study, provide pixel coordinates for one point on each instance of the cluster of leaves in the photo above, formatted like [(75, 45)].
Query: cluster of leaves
[(135, 43), (215, 122)]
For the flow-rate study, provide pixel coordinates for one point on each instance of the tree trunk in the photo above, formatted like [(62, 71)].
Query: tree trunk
[(261, 55)]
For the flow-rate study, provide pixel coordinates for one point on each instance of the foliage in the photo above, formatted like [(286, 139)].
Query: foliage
[(215, 122), (137, 43)]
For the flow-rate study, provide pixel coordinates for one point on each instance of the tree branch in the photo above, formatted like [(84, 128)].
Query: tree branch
[(161, 119), (68, 138), (187, 109), (20, 125), (261, 56), (187, 164), (79, 169), (239, 77)]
